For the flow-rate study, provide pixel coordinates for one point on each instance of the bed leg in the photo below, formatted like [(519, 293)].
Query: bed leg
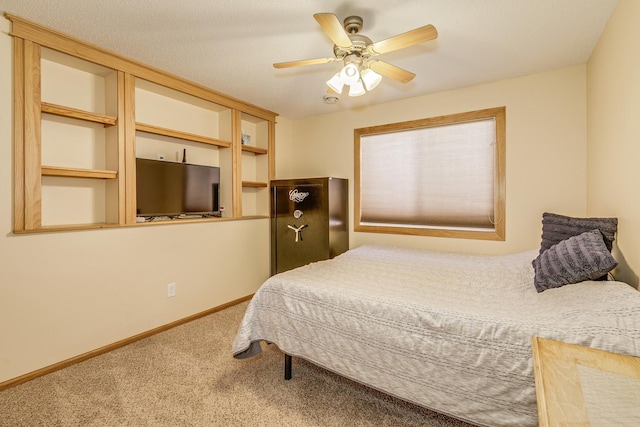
[(287, 367)]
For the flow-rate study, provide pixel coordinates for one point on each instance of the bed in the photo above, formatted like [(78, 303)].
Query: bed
[(449, 332)]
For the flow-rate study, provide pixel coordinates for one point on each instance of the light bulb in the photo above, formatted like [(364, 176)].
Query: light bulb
[(350, 74), (370, 79), (356, 89), (335, 83)]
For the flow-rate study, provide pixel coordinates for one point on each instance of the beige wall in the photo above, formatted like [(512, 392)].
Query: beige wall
[(63, 294), (284, 148), (614, 134), (546, 151)]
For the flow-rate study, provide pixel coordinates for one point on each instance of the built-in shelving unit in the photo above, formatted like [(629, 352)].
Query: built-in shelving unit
[(170, 123), (83, 114), (257, 136), (73, 141)]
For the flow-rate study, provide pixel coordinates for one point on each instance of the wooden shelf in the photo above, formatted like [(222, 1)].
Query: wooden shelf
[(255, 150), (254, 184), (157, 130), (68, 227), (117, 83), (78, 173), (61, 110), (95, 226)]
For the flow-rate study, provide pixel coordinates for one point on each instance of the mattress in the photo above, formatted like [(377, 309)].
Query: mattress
[(450, 332)]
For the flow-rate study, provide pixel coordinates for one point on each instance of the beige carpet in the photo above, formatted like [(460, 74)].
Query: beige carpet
[(187, 377)]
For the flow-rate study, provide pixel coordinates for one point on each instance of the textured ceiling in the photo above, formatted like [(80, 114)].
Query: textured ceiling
[(230, 46)]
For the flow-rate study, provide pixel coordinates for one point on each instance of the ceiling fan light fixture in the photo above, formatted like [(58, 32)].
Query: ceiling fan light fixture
[(370, 78), (335, 83), (357, 52), (357, 89)]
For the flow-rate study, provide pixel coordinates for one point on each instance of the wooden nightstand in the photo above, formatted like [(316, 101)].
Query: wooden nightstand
[(582, 386)]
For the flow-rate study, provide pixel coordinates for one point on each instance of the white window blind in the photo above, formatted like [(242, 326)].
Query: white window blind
[(440, 176)]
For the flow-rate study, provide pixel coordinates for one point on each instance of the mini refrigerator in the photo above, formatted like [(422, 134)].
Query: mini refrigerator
[(309, 221)]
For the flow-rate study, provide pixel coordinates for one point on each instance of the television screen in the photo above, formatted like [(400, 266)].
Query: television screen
[(170, 189)]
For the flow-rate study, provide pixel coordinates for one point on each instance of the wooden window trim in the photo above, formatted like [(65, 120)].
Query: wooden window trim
[(499, 113)]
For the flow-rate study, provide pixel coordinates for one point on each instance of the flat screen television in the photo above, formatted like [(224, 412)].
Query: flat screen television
[(172, 189)]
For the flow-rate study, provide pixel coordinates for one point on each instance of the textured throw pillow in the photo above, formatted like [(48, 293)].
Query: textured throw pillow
[(578, 258), (556, 228)]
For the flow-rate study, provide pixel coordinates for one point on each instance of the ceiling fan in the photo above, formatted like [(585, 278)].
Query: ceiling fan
[(362, 71)]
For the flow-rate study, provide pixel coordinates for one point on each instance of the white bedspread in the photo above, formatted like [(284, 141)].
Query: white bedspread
[(451, 332)]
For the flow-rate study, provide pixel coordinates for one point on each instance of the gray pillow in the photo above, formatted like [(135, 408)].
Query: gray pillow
[(578, 258), (556, 228)]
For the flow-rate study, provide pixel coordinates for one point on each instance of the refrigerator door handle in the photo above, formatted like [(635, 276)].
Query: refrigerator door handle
[(298, 231)]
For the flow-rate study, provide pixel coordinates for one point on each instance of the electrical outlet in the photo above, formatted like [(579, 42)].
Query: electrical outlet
[(171, 290), (160, 156)]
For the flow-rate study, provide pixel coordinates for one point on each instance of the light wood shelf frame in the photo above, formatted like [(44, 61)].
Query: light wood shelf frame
[(61, 110), (255, 184), (29, 37), (157, 130), (254, 150), (78, 172)]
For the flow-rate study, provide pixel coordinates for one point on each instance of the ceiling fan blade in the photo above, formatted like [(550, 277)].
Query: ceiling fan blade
[(391, 71), (303, 62), (410, 38), (332, 26)]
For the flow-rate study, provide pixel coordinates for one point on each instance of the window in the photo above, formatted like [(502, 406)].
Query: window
[(441, 176)]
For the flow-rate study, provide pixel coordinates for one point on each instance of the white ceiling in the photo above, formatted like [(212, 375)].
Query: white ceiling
[(230, 45)]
